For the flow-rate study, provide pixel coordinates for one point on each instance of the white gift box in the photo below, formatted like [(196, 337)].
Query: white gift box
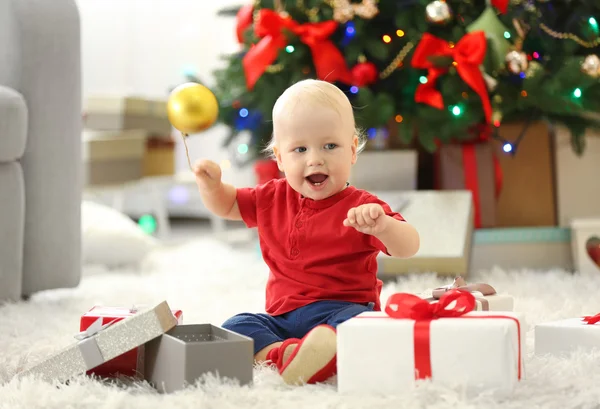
[(479, 350), (566, 336), (496, 302)]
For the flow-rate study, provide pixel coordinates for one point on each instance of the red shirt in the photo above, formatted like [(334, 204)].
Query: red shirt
[(312, 256)]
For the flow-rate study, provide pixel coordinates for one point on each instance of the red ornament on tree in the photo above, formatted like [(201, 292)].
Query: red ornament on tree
[(364, 73), (243, 21)]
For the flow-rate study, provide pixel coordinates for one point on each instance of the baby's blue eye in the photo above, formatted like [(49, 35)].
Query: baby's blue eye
[(330, 146), (300, 149)]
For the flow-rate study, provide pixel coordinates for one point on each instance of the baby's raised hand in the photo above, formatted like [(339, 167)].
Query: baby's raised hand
[(369, 218), (208, 175)]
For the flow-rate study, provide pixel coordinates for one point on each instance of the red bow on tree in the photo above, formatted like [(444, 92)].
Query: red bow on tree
[(501, 5), (328, 60), (468, 55), (404, 305)]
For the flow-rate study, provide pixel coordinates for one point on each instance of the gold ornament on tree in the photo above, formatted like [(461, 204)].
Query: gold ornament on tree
[(192, 108), (591, 66), (516, 62), (345, 10), (438, 12)]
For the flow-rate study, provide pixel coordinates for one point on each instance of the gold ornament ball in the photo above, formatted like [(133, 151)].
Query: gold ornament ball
[(516, 62), (591, 66), (438, 12), (192, 108)]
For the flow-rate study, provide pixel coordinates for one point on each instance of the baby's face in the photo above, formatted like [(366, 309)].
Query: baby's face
[(316, 150)]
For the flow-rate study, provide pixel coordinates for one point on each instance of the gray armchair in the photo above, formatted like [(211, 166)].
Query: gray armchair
[(40, 146)]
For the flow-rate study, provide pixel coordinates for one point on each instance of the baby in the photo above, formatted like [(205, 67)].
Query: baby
[(319, 236)]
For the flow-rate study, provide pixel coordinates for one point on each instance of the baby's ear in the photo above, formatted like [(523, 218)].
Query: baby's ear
[(354, 148)]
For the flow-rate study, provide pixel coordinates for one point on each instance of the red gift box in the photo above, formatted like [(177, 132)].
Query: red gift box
[(130, 363)]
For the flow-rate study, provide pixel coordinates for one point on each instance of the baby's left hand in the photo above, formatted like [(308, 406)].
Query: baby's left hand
[(369, 218)]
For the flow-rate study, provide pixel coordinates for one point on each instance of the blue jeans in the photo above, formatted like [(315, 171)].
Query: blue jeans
[(265, 329)]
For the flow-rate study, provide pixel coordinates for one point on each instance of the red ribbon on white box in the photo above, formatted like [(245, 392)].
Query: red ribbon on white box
[(453, 304)]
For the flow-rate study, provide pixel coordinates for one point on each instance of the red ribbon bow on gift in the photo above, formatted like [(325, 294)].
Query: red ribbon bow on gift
[(591, 319), (403, 305), (270, 26), (468, 55)]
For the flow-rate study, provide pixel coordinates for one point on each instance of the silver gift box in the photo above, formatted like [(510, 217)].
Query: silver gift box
[(102, 343)]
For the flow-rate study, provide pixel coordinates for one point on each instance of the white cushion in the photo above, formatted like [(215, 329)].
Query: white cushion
[(112, 239)]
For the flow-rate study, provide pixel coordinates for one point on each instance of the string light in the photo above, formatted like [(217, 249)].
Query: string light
[(577, 93), (290, 49), (350, 29), (387, 39), (456, 111), (506, 35), (400, 33), (179, 195), (507, 147), (354, 89), (242, 149), (399, 118), (423, 79), (147, 223), (243, 112), (225, 164), (523, 93)]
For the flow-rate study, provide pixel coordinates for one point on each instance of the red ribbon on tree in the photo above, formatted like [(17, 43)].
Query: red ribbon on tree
[(270, 26), (591, 319), (501, 5), (468, 54), (403, 305)]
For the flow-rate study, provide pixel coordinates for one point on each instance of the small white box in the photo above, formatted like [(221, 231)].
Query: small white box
[(585, 245), (479, 351), (495, 302), (563, 337)]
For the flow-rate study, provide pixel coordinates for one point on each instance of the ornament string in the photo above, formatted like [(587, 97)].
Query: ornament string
[(569, 36), (396, 61), (187, 152)]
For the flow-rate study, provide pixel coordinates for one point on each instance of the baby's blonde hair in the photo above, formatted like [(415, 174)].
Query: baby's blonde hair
[(318, 92)]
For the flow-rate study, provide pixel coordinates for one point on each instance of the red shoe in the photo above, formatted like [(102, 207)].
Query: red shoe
[(312, 360)]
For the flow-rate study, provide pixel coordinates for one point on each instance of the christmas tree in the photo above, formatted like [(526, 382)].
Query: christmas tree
[(435, 71)]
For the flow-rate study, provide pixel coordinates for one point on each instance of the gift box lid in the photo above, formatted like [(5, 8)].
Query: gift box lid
[(101, 343)]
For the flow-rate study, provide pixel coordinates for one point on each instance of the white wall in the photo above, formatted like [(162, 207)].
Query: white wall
[(143, 47)]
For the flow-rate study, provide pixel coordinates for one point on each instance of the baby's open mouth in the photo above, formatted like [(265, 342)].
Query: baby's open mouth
[(317, 178)]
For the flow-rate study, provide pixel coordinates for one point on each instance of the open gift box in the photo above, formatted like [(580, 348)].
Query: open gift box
[(188, 352), (101, 343), (447, 342), (131, 363)]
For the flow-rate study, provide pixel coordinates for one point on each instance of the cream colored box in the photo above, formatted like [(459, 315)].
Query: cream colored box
[(113, 157), (479, 352), (444, 220), (115, 113), (577, 185)]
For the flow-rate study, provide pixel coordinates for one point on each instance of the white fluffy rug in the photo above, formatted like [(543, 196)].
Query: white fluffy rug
[(211, 281)]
